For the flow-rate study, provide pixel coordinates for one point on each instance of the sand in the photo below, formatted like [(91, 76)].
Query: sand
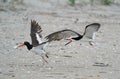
[(78, 60)]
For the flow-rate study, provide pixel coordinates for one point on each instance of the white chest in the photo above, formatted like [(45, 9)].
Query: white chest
[(37, 50)]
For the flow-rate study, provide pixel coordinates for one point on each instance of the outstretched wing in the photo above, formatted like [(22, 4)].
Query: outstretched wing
[(62, 34), (35, 33), (91, 29)]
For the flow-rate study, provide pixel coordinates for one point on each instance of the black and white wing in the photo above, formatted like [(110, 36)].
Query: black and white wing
[(35, 33), (62, 34), (91, 29)]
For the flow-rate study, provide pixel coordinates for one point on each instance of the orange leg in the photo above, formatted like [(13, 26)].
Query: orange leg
[(69, 41)]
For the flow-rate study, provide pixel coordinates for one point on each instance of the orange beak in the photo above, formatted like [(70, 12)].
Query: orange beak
[(20, 45), (69, 41)]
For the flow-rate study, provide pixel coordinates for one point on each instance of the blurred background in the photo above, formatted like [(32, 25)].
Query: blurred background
[(55, 3), (78, 60)]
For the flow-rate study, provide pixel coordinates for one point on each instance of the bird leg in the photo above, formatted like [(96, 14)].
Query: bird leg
[(44, 61), (69, 41), (90, 42), (46, 56)]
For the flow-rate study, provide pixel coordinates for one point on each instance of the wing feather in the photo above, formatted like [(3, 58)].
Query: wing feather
[(62, 34), (35, 33), (91, 29)]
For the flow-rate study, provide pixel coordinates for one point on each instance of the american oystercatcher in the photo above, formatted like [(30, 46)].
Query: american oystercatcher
[(72, 35), (37, 45)]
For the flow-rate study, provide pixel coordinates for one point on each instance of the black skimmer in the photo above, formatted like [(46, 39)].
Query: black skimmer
[(37, 45), (90, 31), (72, 35)]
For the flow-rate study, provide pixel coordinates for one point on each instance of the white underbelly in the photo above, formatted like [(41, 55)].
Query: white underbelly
[(37, 50)]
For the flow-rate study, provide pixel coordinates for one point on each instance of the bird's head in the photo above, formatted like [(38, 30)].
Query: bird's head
[(23, 44)]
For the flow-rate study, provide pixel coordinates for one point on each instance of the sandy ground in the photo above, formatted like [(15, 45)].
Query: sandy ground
[(78, 60)]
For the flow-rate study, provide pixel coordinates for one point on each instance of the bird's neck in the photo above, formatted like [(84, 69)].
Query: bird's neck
[(78, 38), (29, 46)]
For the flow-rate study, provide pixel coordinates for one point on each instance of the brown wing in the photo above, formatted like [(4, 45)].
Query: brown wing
[(91, 29), (63, 34), (35, 33)]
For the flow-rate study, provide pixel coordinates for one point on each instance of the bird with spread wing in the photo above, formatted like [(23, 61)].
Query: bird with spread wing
[(37, 45), (72, 35)]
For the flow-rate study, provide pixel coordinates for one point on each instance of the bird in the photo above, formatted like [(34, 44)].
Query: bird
[(71, 35), (37, 45), (90, 31)]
